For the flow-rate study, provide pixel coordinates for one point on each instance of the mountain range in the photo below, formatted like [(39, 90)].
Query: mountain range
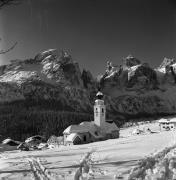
[(52, 83)]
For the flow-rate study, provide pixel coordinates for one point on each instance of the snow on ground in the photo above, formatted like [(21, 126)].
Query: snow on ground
[(111, 157)]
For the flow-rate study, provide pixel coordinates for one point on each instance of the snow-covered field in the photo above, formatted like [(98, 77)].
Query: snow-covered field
[(110, 157)]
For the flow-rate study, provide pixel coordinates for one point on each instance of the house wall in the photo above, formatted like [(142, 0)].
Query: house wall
[(173, 125), (164, 126), (83, 139), (65, 137), (115, 134), (69, 143)]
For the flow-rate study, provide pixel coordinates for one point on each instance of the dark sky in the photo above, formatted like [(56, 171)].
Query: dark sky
[(93, 31)]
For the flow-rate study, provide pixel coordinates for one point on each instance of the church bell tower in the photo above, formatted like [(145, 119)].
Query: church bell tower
[(99, 110)]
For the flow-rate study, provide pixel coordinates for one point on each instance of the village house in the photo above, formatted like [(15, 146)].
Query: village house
[(166, 124), (97, 130)]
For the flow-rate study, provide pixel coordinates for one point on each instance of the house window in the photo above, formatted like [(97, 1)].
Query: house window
[(84, 138)]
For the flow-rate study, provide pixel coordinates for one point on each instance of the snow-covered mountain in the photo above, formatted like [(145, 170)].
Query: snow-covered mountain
[(137, 90), (49, 76), (132, 88), (37, 95)]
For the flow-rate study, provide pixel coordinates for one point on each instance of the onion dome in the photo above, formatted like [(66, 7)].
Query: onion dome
[(99, 95)]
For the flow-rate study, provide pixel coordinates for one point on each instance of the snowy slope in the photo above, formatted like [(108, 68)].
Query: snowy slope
[(111, 157)]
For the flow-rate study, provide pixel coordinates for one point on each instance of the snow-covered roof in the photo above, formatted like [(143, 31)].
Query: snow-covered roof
[(163, 120), (72, 137), (75, 129), (10, 141), (93, 129), (5, 141), (173, 120)]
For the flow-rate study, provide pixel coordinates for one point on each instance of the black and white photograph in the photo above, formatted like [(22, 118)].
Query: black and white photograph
[(87, 89)]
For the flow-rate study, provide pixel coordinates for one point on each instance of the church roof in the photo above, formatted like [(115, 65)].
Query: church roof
[(173, 120), (163, 120), (75, 129), (93, 129), (110, 127)]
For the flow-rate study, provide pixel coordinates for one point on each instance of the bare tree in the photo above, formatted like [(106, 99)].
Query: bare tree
[(8, 2), (4, 3), (9, 49)]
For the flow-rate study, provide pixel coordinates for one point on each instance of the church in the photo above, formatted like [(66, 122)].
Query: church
[(97, 130)]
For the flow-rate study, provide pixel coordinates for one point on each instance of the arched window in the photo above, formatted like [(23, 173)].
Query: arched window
[(96, 110)]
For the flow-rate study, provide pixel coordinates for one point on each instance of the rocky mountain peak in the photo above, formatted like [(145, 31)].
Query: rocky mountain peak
[(43, 55), (87, 78), (132, 74), (167, 62), (165, 66), (130, 61)]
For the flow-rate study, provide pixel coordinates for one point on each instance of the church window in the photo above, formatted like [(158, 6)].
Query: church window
[(102, 110)]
